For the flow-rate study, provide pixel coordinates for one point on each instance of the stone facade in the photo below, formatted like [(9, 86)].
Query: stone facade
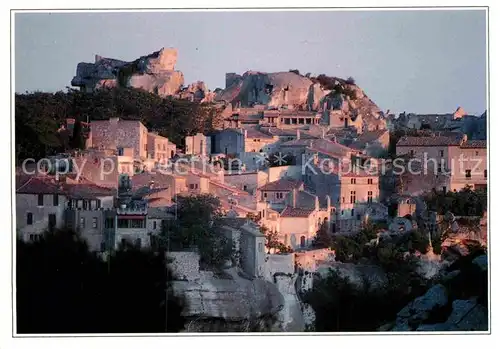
[(116, 133), (160, 148), (198, 144)]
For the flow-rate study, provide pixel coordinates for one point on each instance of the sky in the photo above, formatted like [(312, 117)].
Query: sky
[(413, 61)]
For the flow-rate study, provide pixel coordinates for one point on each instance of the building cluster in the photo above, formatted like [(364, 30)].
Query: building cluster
[(115, 191)]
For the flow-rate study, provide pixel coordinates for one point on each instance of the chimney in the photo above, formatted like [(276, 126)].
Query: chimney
[(316, 203), (294, 198), (298, 134)]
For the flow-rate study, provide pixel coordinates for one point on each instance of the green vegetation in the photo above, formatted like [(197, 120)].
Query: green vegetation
[(272, 242), (466, 202), (61, 287), (322, 239), (198, 225), (39, 116), (341, 306)]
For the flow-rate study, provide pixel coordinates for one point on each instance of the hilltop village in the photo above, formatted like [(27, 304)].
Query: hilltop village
[(294, 168)]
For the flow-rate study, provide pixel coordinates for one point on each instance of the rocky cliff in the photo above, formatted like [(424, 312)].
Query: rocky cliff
[(457, 302), (154, 73), (290, 89)]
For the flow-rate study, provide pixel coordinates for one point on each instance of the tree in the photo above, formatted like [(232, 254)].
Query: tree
[(272, 243), (78, 140), (323, 239), (198, 225), (61, 287), (296, 71)]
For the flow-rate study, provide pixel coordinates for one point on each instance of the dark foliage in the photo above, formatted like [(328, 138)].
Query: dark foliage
[(198, 226), (296, 71), (466, 202), (38, 116), (323, 238), (77, 140), (63, 288)]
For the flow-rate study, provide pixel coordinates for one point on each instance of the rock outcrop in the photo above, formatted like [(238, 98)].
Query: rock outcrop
[(276, 90), (458, 303), (153, 73)]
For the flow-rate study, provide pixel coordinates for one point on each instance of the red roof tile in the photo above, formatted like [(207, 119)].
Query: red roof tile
[(474, 144), (290, 212), (282, 185), (408, 141)]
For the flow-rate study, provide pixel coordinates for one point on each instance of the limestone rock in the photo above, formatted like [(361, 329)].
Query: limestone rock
[(153, 73), (235, 300)]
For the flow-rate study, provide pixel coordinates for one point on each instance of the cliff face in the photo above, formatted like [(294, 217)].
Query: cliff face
[(153, 73), (327, 94)]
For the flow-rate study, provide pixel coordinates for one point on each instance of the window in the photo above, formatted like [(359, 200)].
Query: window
[(441, 153), (485, 173), (32, 237), (98, 203), (109, 223), (94, 222), (353, 180), (412, 153), (279, 195), (440, 168), (85, 203), (265, 195), (82, 222), (122, 223), (29, 218), (343, 199), (477, 153), (467, 174), (444, 189), (56, 200), (40, 199), (260, 247), (370, 196), (352, 213), (137, 223), (52, 221), (353, 197), (302, 241), (370, 180), (342, 212)]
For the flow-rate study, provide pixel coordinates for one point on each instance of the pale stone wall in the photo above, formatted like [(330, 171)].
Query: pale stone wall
[(184, 265), (29, 203), (278, 172), (309, 260), (198, 144), (115, 133), (248, 182), (474, 159), (278, 263)]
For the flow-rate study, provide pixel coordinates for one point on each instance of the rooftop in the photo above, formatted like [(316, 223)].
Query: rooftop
[(432, 141), (290, 212), (283, 184), (475, 144), (367, 137)]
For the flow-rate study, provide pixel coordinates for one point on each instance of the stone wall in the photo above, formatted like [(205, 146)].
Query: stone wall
[(278, 263), (185, 265), (309, 260)]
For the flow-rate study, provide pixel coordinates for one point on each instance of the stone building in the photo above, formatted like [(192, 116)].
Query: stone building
[(229, 142), (160, 148), (463, 162), (116, 133), (199, 144), (275, 192)]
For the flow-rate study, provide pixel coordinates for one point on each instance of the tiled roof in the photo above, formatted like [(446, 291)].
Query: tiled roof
[(290, 212), (87, 191), (367, 137), (39, 185), (254, 133), (282, 185), (408, 141), (475, 144), (48, 185)]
